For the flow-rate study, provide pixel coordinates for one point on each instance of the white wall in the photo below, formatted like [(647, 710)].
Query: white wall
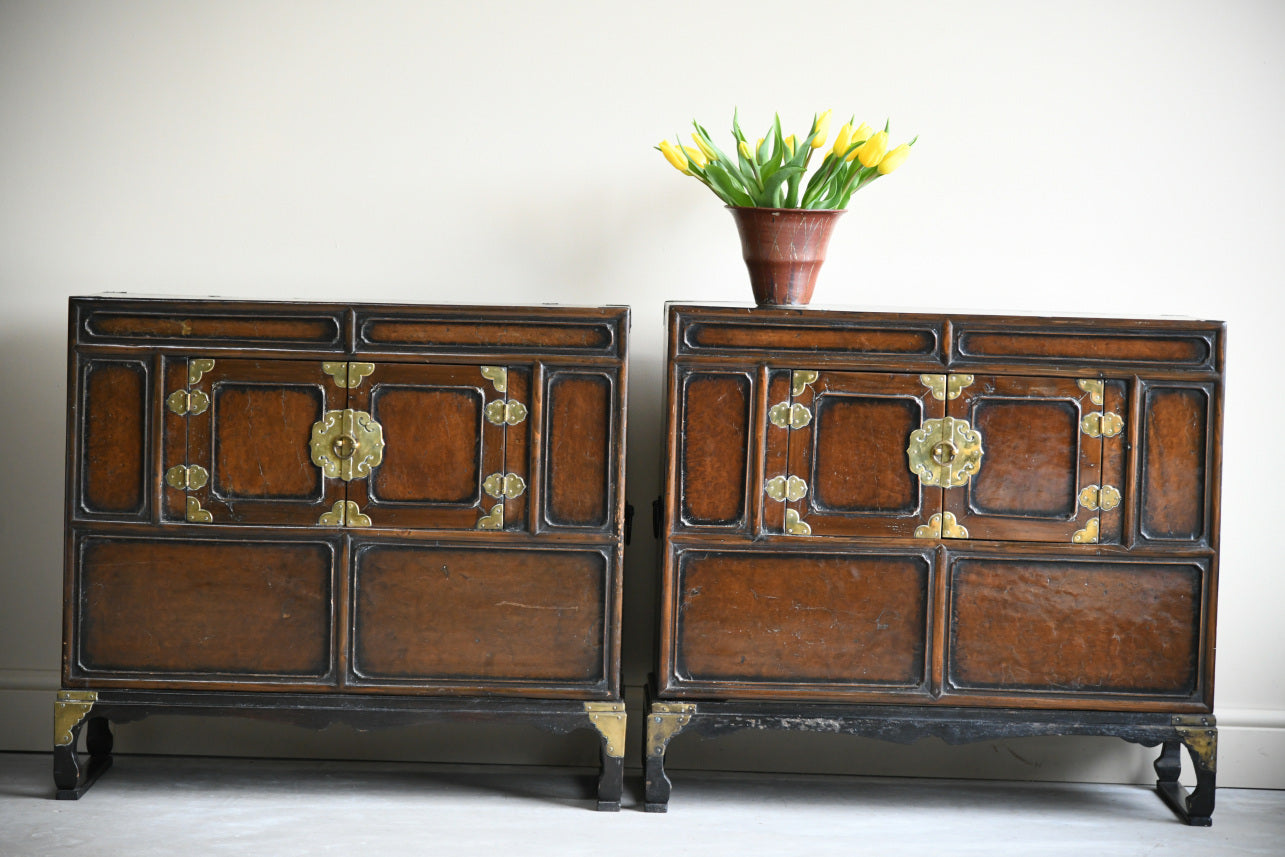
[(1105, 157)]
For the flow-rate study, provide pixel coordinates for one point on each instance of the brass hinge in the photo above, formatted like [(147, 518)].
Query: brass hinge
[(494, 520), (1094, 387), (1102, 425), (789, 416), (184, 402), (609, 719), (508, 485), (1105, 497), (195, 514), (186, 478), (945, 452), (505, 412), (346, 513), (347, 374), (347, 444), (945, 387), (800, 379), (779, 488), (943, 525)]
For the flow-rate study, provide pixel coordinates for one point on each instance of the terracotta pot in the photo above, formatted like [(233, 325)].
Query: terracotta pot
[(784, 249)]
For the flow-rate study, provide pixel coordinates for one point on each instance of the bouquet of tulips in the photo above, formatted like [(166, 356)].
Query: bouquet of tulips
[(770, 173)]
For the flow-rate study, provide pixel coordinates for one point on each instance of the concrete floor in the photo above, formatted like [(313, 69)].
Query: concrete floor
[(151, 805)]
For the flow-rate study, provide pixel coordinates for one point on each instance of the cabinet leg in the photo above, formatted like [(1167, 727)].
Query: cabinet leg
[(664, 721), (1196, 808), (609, 719), (611, 782), (656, 785), (71, 710)]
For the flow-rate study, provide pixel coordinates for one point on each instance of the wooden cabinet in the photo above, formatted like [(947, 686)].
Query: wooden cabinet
[(324, 512), (964, 526)]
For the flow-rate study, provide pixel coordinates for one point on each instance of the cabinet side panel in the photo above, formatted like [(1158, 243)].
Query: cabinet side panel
[(1174, 463), (426, 613), (1067, 627), (844, 619), (578, 450), (114, 472), (714, 446), (153, 607)]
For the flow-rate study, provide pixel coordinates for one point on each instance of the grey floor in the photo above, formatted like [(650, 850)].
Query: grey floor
[(148, 805)]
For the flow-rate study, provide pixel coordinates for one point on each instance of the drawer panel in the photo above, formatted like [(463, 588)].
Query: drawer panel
[(431, 615), (205, 610), (1089, 628), (1189, 349), (210, 326), (455, 333), (759, 619)]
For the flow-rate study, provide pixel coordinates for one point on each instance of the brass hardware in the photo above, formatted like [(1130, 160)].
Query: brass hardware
[(187, 478), (1200, 733), (609, 719), (802, 378), (184, 402), (945, 387), (497, 375), (794, 526), (779, 488), (945, 452), (509, 485), (195, 514), (941, 526), (347, 444), (1094, 388), (71, 707), (347, 374), (1102, 425), (664, 721), (1088, 535), (1105, 498), (493, 521), (789, 416), (502, 412), (346, 513), (196, 367)]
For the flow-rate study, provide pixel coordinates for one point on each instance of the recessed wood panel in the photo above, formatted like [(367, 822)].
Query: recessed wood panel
[(1075, 627), (470, 335), (196, 329), (424, 613), (1086, 347), (578, 449), (1030, 464), (261, 435), (1174, 461), (432, 444), (791, 618), (851, 340), (114, 450), (859, 463), (153, 607), (714, 448)]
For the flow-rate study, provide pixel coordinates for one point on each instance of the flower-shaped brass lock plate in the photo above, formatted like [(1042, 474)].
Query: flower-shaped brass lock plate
[(347, 444), (945, 452)]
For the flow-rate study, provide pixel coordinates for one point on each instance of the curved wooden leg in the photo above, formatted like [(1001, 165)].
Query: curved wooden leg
[(664, 721), (1201, 741), (609, 719), (611, 782), (71, 710)]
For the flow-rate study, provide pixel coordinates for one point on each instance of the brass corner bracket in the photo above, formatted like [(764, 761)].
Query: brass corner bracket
[(664, 721), (347, 375), (942, 525), (71, 707), (802, 378), (609, 719), (346, 513)]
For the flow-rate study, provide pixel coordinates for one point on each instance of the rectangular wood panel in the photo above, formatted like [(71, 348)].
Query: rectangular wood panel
[(1174, 462), (261, 433), (423, 614), (1075, 627), (152, 607), (714, 448), (201, 328), (1188, 350), (114, 452), (578, 449), (801, 338), (468, 334)]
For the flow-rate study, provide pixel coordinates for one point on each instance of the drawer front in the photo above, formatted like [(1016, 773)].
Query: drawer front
[(1086, 629), (453, 618), (193, 611), (790, 624)]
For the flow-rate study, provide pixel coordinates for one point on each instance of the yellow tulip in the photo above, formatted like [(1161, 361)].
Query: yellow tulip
[(862, 133), (696, 156), (706, 150), (894, 159), (789, 144), (674, 156), (842, 140), (872, 151), (823, 130), (744, 149)]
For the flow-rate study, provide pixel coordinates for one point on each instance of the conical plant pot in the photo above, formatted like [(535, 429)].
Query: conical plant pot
[(784, 249)]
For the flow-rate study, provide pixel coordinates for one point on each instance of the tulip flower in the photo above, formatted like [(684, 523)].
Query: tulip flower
[(822, 130), (710, 154), (744, 149), (675, 157), (695, 156), (842, 140), (789, 144), (872, 151), (894, 159)]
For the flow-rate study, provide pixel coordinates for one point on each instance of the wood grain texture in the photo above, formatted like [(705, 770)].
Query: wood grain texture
[(116, 414), (859, 464), (714, 448), (261, 434), (196, 328), (1087, 346), (1032, 458), (432, 445), (796, 337), (1174, 462), (470, 334), (578, 450)]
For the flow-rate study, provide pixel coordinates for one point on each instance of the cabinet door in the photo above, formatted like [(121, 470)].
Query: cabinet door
[(1038, 454), (249, 425), (846, 434), (445, 464)]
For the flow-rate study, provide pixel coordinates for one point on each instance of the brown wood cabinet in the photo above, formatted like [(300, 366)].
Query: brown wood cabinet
[(323, 512), (965, 526)]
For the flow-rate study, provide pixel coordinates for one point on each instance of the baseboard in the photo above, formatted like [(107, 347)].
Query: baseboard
[(1251, 751)]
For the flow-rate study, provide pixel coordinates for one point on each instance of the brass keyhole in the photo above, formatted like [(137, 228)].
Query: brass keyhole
[(344, 446), (944, 453)]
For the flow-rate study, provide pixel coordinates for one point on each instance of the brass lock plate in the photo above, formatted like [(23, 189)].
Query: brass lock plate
[(347, 444), (945, 452)]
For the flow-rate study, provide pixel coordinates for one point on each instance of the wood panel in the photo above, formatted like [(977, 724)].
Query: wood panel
[(155, 608), (798, 338), (1086, 346), (578, 449), (194, 327), (423, 615), (1174, 462), (714, 446), (114, 471), (470, 335)]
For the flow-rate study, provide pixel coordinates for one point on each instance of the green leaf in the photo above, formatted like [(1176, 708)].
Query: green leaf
[(731, 190)]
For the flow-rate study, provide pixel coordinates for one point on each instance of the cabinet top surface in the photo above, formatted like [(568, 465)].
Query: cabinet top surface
[(750, 312)]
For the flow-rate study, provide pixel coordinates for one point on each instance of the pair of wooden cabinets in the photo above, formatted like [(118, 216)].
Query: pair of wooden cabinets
[(882, 524)]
